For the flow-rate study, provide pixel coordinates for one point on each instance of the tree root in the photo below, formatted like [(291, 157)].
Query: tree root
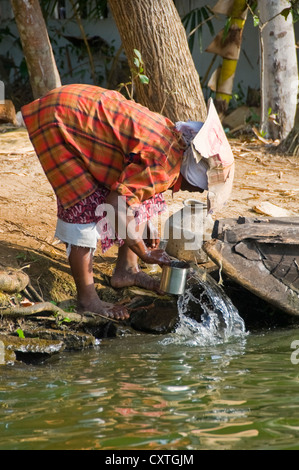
[(290, 145), (88, 319), (31, 293)]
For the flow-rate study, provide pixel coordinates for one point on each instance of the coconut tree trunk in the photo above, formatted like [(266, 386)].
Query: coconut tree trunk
[(228, 46), (36, 45), (279, 70), (155, 29), (290, 145)]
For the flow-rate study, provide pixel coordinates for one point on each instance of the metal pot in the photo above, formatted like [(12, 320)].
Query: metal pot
[(174, 277), (186, 231)]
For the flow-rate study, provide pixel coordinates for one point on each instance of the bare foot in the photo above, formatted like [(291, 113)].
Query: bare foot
[(97, 306), (134, 277)]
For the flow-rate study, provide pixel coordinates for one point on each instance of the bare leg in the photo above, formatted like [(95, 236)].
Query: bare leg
[(81, 265), (127, 272)]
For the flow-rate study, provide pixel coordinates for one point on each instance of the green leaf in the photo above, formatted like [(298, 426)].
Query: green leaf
[(186, 20), (136, 62), (226, 28), (20, 333), (192, 26), (256, 20), (144, 79), (206, 13), (199, 33), (285, 13), (138, 55)]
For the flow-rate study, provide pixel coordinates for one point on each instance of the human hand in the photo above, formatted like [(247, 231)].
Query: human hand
[(156, 256)]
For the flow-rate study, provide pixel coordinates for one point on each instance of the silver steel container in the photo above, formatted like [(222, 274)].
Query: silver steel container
[(174, 277)]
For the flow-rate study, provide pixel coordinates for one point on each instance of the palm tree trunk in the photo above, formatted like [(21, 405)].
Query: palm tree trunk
[(279, 73), (290, 145), (36, 45)]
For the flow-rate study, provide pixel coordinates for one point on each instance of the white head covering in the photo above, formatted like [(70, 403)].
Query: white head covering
[(208, 161), (195, 173)]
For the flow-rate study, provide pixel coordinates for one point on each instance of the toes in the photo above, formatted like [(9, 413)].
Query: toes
[(118, 313), (109, 311)]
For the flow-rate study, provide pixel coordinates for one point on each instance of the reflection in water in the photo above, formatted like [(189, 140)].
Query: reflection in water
[(174, 392)]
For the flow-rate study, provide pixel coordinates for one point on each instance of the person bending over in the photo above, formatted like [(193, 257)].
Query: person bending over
[(101, 151)]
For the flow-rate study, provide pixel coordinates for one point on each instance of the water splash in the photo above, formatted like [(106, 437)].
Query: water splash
[(207, 315)]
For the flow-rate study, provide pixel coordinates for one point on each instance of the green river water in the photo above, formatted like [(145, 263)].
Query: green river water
[(170, 392)]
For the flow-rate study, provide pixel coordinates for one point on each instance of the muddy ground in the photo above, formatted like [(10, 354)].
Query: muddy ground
[(28, 208)]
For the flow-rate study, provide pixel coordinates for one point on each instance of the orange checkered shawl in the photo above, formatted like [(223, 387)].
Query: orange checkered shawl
[(85, 136)]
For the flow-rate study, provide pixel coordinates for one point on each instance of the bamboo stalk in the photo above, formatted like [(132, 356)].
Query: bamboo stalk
[(228, 46)]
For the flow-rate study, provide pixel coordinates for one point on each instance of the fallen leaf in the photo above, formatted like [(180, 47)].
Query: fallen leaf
[(26, 303), (271, 210)]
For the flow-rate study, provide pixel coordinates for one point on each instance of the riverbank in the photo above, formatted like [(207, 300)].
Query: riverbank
[(28, 218)]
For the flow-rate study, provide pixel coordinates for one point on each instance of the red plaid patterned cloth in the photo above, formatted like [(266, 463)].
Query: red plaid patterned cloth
[(86, 136)]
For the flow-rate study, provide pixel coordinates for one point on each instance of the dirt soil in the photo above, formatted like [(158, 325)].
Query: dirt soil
[(28, 207)]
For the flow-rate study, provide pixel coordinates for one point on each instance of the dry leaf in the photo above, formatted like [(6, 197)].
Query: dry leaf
[(26, 303), (269, 209)]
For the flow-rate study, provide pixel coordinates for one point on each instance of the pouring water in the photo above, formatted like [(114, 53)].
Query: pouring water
[(206, 314)]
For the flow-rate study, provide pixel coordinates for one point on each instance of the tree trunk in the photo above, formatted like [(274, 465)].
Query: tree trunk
[(290, 145), (36, 45), (279, 70), (155, 29)]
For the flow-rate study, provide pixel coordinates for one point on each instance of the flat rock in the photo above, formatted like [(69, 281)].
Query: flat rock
[(72, 340), (152, 315), (33, 348)]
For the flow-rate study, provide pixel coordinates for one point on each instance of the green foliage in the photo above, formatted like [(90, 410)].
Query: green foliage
[(64, 320), (256, 20), (20, 333), (59, 320), (293, 9), (226, 28), (89, 10), (254, 118), (238, 97), (138, 62), (136, 73), (27, 257), (92, 10), (194, 21), (92, 54)]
